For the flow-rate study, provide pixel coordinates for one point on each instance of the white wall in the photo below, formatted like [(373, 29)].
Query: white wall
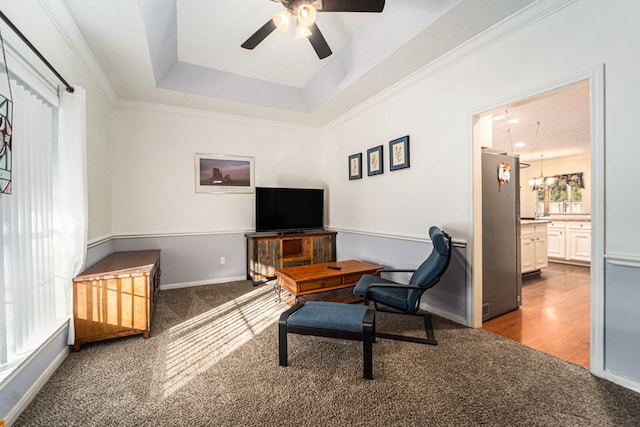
[(154, 200), (150, 167), (435, 107), (152, 149), (153, 168), (433, 190)]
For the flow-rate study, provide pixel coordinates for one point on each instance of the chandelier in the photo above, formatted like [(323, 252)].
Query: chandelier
[(541, 182)]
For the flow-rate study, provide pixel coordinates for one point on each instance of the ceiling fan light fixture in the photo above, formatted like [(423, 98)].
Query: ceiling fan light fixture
[(302, 31), (282, 20), (306, 15), (305, 12)]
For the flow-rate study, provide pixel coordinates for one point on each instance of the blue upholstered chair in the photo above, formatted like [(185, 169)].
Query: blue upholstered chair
[(405, 298)]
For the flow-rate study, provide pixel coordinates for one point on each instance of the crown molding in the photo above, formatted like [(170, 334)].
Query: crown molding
[(62, 19), (520, 20), (124, 103)]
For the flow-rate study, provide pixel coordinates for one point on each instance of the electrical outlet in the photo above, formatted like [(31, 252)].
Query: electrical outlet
[(222, 260)]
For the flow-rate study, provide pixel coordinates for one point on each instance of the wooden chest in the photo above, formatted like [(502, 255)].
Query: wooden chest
[(115, 297)]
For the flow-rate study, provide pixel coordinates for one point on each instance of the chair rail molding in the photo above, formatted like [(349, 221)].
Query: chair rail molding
[(623, 260)]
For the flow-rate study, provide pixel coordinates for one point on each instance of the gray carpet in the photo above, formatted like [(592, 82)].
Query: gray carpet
[(212, 361)]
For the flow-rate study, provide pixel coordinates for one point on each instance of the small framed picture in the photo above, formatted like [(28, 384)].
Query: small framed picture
[(355, 166), (374, 161), (219, 173), (399, 153)]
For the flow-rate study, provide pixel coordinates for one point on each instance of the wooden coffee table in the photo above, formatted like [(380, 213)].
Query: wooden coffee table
[(319, 282)]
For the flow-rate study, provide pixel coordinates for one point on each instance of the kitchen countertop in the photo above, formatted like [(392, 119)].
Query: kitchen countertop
[(556, 217), (570, 217), (535, 221)]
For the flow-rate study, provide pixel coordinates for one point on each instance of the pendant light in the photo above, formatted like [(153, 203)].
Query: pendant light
[(541, 182)]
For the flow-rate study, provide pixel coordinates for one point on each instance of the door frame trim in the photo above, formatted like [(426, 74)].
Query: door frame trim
[(595, 75)]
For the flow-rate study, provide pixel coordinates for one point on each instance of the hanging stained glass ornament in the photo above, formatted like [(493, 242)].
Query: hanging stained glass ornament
[(5, 152), (6, 118)]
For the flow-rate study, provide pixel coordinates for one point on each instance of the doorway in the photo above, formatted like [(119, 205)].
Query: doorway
[(552, 134)]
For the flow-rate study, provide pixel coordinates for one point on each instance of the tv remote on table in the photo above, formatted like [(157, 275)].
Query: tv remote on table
[(334, 267)]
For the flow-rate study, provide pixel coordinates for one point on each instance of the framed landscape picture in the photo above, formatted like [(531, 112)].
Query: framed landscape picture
[(374, 161), (399, 153), (219, 173), (355, 166)]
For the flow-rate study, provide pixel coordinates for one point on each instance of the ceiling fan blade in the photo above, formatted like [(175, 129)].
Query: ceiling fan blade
[(352, 6), (259, 35), (318, 42)]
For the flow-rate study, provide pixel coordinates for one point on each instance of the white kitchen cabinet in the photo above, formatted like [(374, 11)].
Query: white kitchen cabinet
[(569, 242), (540, 254), (533, 243), (579, 241), (527, 255), (556, 239)]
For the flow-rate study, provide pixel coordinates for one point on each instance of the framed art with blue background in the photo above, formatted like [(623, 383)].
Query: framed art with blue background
[(399, 153), (375, 165), (355, 166)]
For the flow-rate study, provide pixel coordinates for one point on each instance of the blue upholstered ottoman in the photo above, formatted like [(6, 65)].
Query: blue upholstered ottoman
[(330, 319)]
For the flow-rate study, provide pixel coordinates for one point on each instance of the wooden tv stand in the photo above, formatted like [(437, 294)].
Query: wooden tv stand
[(267, 252)]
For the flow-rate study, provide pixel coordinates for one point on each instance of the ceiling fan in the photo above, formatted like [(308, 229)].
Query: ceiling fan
[(305, 12)]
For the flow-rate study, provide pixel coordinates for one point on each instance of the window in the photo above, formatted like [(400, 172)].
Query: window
[(31, 303), (563, 196)]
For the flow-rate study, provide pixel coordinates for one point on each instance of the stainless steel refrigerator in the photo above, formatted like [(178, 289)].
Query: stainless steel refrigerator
[(501, 278)]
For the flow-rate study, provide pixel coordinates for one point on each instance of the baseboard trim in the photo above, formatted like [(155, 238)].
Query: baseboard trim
[(570, 262), (444, 314), (201, 282), (26, 399), (619, 379)]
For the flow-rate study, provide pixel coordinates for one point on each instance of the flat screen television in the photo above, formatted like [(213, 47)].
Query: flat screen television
[(289, 209)]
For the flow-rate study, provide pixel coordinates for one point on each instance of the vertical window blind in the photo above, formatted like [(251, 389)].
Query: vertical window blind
[(31, 306)]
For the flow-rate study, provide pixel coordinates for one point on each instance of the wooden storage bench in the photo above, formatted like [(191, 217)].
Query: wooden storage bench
[(115, 297)]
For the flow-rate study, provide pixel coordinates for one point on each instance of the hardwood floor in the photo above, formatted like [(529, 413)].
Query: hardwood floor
[(554, 316)]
